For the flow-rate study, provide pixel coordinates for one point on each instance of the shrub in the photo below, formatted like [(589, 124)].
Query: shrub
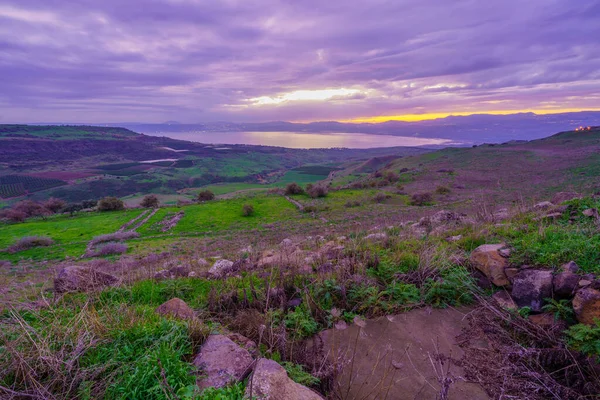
[(72, 208), (89, 204), (111, 204), (29, 242), (297, 373), (247, 210), (150, 201), (380, 197), (352, 203), (205, 195), (15, 215), (391, 176), (421, 199), (54, 205), (112, 237), (585, 338), (310, 209), (442, 190), (110, 249), (317, 191), (293, 188)]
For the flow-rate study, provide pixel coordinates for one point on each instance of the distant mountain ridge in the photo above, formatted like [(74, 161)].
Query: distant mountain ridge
[(475, 129)]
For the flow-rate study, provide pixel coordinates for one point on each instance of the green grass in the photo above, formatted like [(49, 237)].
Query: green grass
[(70, 233)]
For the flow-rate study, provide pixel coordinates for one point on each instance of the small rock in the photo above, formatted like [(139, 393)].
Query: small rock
[(501, 214), (221, 361), (376, 236), (82, 279), (293, 303), (584, 283), (202, 262), (565, 284), (504, 300), (586, 305), (561, 197), (505, 252), (531, 287), (488, 260), (571, 266), (192, 274), (180, 271), (176, 308), (544, 319), (544, 205), (554, 215), (454, 238), (269, 381), (445, 216), (590, 212), (162, 274), (220, 268), (286, 244)]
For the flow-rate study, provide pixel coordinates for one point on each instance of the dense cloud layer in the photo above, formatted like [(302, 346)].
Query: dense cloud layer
[(195, 60)]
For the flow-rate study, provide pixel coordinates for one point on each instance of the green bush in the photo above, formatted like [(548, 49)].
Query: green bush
[(247, 210), (297, 373), (205, 195), (111, 204), (293, 188), (301, 322)]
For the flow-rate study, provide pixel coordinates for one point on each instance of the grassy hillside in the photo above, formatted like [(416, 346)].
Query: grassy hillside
[(76, 163), (306, 271)]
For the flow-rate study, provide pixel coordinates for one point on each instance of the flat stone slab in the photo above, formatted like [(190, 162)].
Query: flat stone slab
[(393, 356)]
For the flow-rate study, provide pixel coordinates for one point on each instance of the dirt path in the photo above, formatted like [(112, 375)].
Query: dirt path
[(297, 204), (395, 357)]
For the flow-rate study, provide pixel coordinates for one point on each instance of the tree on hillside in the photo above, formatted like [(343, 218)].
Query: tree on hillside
[(205, 195), (110, 204), (55, 205), (318, 191), (150, 201)]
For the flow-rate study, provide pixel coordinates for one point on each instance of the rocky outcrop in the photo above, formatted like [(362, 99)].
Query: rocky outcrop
[(566, 282), (561, 197), (220, 268), (531, 287), (269, 381), (586, 305), (488, 259), (82, 279), (221, 361), (176, 308)]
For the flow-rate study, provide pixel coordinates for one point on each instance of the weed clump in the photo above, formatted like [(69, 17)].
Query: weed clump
[(421, 199), (29, 242), (247, 210)]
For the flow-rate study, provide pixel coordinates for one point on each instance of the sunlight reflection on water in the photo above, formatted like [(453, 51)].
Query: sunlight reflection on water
[(300, 140)]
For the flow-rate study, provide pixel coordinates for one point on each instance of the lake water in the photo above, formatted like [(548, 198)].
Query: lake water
[(301, 140)]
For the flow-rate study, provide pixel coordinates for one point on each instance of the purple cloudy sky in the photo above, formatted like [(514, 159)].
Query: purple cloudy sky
[(300, 60)]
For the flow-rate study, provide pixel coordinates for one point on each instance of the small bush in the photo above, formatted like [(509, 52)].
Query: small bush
[(298, 374), (29, 242), (15, 216), (317, 191), (421, 199), (310, 209), (113, 237), (110, 204), (391, 176), (89, 204), (110, 249), (442, 190), (150, 201), (247, 210), (380, 197), (352, 203), (293, 188), (31, 209), (205, 195)]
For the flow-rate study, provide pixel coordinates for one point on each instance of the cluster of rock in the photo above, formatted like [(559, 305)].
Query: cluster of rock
[(530, 287), (228, 358)]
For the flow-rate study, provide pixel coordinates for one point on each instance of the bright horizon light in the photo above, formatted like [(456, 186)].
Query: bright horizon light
[(304, 95), (431, 116)]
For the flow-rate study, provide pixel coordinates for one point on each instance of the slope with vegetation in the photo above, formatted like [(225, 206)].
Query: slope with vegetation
[(310, 274)]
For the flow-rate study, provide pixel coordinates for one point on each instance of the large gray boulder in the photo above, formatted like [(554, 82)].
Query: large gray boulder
[(531, 287), (221, 361), (78, 278), (269, 381), (566, 282)]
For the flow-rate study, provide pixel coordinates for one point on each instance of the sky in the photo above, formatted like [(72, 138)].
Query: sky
[(196, 61)]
